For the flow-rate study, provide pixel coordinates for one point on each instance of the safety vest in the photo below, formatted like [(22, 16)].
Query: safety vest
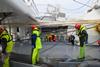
[(9, 43), (80, 30), (38, 39)]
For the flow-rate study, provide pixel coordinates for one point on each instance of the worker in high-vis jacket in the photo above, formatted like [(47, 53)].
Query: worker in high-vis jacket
[(36, 44), (83, 37), (7, 43)]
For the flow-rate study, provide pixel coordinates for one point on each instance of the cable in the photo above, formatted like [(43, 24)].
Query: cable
[(35, 7), (82, 3), (34, 10), (76, 9), (79, 7)]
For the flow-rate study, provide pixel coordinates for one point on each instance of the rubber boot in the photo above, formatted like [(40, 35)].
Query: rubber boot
[(34, 56), (82, 53), (6, 62)]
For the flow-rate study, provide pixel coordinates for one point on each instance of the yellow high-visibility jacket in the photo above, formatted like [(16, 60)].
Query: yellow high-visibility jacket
[(79, 32), (8, 41), (38, 43)]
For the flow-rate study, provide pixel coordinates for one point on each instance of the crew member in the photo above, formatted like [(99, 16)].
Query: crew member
[(83, 37), (36, 44), (7, 45)]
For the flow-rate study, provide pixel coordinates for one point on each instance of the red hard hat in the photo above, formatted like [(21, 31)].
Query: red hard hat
[(77, 26), (34, 27)]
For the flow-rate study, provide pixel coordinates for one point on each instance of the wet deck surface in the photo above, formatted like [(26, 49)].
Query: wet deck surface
[(22, 51), (57, 50)]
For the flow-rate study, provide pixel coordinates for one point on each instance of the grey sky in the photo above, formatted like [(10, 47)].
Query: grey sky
[(68, 6)]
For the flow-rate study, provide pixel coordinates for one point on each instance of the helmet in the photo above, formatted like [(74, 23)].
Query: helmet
[(1, 29), (34, 27), (77, 26)]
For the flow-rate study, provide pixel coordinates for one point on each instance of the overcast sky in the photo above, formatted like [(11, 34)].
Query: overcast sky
[(69, 7)]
